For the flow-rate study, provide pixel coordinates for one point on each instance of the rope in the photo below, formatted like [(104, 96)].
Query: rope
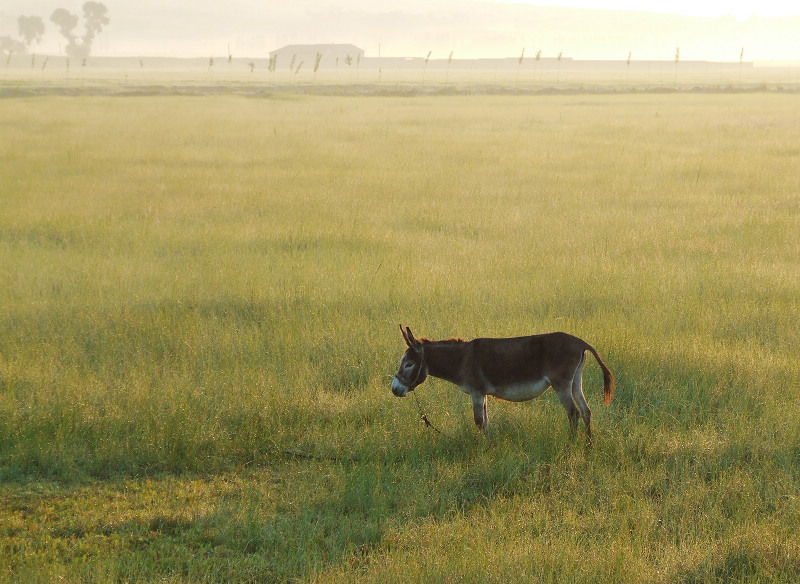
[(423, 416)]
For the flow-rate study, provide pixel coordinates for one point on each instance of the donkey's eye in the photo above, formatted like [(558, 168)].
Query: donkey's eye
[(409, 365)]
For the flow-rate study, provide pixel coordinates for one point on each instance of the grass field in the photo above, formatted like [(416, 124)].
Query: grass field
[(199, 300)]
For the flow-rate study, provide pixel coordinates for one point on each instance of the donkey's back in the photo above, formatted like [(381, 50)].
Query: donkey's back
[(502, 362)]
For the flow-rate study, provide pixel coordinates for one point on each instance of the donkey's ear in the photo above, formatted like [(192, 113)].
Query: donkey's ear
[(408, 337), (410, 340)]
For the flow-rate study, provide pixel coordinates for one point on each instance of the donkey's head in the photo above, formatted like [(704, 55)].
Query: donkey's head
[(412, 370)]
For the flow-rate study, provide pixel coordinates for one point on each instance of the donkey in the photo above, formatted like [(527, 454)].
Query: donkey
[(514, 369)]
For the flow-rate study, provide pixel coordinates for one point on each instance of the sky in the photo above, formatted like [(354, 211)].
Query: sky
[(598, 29), (741, 9)]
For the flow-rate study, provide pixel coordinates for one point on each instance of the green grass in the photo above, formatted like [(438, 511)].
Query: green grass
[(199, 300)]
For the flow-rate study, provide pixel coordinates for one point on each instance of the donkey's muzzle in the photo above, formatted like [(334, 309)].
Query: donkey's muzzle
[(398, 388)]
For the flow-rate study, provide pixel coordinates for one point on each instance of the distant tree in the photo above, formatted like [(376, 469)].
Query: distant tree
[(449, 62), (317, 60), (66, 22), (677, 60), (425, 67), (348, 60), (558, 74), (9, 46), (95, 16), (741, 59), (628, 74), (31, 29)]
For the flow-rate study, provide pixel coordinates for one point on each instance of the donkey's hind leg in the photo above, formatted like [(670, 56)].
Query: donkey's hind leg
[(480, 413), (564, 392), (580, 399)]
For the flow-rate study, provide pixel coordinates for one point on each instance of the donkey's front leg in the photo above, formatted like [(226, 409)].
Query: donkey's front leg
[(480, 413)]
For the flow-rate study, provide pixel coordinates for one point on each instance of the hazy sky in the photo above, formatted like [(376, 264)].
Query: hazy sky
[(741, 9), (469, 28)]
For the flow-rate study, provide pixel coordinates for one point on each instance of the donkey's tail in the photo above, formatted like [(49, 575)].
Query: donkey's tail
[(608, 378)]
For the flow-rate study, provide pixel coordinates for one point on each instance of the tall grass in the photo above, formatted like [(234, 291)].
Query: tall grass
[(198, 324)]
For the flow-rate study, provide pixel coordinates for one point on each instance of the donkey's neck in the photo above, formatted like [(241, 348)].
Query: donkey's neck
[(445, 359)]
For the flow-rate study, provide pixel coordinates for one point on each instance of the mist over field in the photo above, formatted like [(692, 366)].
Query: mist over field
[(469, 28)]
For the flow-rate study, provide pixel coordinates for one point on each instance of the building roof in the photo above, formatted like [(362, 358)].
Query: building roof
[(324, 50)]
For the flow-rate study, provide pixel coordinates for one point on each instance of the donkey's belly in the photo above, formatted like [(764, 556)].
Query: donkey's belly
[(521, 391)]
